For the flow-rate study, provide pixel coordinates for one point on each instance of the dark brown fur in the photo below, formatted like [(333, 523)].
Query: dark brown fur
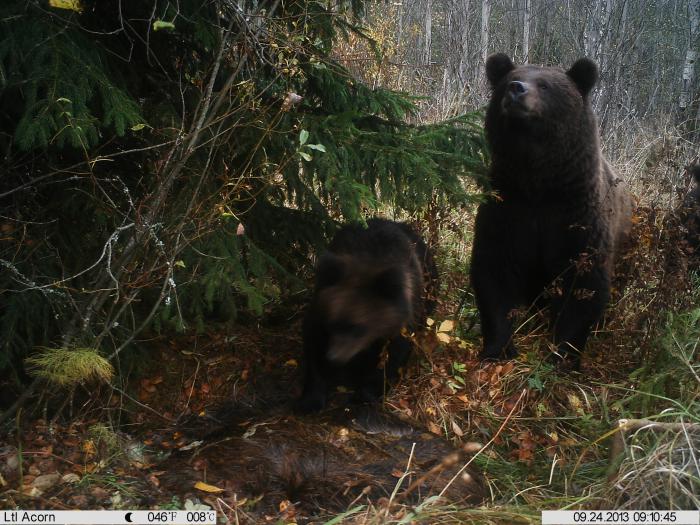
[(372, 284), (690, 217), (561, 214)]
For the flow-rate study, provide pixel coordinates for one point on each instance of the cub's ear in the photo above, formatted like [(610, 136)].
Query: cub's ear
[(497, 67), (584, 73), (389, 284), (329, 270)]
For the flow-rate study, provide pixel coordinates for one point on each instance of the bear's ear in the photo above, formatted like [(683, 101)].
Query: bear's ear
[(695, 172), (388, 284), (584, 73), (497, 67), (329, 270)]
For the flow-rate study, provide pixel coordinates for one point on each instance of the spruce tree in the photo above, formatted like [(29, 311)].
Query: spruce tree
[(166, 162)]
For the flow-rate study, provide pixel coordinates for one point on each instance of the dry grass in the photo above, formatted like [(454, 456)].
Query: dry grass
[(70, 366), (660, 470)]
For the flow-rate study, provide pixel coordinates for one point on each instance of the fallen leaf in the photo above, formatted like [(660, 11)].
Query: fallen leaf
[(446, 326), (89, 447), (575, 403), (71, 477), (205, 487), (443, 337), (30, 491), (291, 362), (472, 447), (154, 480), (72, 5), (99, 493), (46, 481), (457, 430)]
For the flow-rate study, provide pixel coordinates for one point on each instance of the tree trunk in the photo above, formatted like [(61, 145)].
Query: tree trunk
[(464, 43), (485, 12), (526, 32), (691, 54), (428, 32)]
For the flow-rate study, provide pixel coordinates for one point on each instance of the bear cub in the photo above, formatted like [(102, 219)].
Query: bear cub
[(372, 285), (561, 214)]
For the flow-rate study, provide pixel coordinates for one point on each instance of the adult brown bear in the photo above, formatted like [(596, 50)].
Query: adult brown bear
[(560, 214), (690, 216)]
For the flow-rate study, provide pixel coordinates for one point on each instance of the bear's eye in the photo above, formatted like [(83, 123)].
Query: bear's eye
[(542, 85)]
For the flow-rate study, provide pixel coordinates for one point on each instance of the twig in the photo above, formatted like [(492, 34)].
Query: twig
[(159, 414), (406, 473)]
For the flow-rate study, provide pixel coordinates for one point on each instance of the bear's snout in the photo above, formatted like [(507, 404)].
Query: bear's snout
[(517, 102), (516, 89)]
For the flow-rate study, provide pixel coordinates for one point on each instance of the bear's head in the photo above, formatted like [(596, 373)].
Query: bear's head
[(360, 303), (539, 94)]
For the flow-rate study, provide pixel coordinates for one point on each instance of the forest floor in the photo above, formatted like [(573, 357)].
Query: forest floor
[(208, 420), (211, 421)]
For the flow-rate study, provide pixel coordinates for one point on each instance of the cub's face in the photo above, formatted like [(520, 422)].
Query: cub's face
[(539, 93), (360, 304)]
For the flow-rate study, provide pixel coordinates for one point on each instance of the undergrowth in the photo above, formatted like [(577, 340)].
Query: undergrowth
[(622, 434)]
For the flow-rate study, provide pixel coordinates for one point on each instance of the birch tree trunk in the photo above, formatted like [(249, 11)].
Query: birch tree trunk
[(485, 12), (691, 54), (428, 32), (526, 32)]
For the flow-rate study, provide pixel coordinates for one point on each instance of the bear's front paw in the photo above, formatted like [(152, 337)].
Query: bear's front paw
[(310, 403), (368, 393), (498, 353)]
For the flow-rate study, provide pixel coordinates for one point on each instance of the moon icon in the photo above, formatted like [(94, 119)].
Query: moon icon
[(128, 517)]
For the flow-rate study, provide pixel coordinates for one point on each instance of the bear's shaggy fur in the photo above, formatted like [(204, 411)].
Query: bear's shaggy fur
[(560, 215), (690, 215), (372, 284)]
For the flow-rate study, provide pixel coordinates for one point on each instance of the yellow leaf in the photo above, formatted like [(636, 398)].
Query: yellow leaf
[(446, 326), (443, 337), (472, 447), (73, 5), (429, 322), (200, 485), (89, 447), (291, 362), (575, 403)]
